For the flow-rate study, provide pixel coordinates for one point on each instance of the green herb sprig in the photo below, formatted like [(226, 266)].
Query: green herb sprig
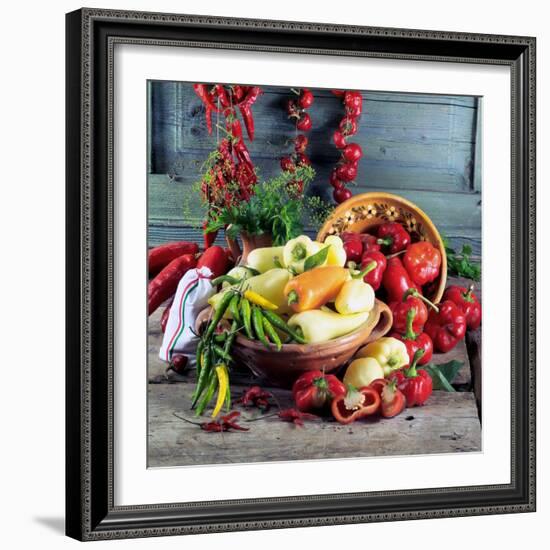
[(460, 263)]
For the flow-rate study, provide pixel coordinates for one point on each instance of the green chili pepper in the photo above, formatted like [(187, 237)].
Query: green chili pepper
[(246, 315), (225, 279), (277, 322), (203, 376), (231, 337), (207, 397), (220, 338), (234, 308), (200, 349), (271, 332), (257, 321), (222, 354), (218, 314)]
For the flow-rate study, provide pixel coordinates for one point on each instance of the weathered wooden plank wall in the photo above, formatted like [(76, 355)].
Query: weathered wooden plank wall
[(420, 146)]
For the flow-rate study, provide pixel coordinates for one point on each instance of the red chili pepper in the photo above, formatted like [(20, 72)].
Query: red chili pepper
[(355, 404), (224, 424), (392, 400), (165, 316), (342, 194), (241, 151), (393, 235), (415, 384), (467, 301), (306, 99), (295, 416), (164, 285), (346, 171), (256, 397), (352, 152), (208, 238), (422, 262), (221, 92), (202, 91), (339, 139), (215, 258), (314, 390), (412, 299), (446, 327), (178, 364), (304, 123), (396, 280), (374, 278), (415, 340), (161, 256)]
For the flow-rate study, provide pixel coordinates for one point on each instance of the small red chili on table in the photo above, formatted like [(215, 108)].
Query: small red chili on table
[(256, 397), (295, 416), (223, 424)]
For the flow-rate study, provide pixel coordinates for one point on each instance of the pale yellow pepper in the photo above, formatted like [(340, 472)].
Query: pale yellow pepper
[(361, 372), (321, 325), (264, 259), (355, 296), (390, 353), (296, 251), (336, 253)]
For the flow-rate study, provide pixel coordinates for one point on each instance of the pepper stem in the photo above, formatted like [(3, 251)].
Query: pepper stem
[(468, 294), (372, 265), (293, 297), (388, 241), (411, 371), (416, 294), (409, 331)]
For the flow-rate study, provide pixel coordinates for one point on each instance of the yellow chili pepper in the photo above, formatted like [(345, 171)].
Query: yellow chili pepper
[(223, 384), (259, 300)]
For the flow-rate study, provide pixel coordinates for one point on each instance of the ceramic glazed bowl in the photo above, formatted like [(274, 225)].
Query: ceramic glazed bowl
[(364, 212), (282, 368)]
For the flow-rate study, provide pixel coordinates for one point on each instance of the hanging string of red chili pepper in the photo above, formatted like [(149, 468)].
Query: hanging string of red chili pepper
[(296, 109), (345, 171), (232, 176)]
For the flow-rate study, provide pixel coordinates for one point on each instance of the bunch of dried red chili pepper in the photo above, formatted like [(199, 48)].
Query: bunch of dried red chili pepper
[(346, 169)]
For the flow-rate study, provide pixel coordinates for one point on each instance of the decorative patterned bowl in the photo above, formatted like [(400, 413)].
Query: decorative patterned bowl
[(282, 368), (365, 212)]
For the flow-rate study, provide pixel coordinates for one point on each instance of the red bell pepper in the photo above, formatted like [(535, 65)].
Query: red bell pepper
[(446, 327), (355, 404), (392, 400), (394, 236), (370, 242), (374, 277), (161, 256), (164, 285), (214, 258), (416, 385), (354, 250), (396, 280), (422, 260), (315, 390), (467, 301), (415, 340), (412, 299)]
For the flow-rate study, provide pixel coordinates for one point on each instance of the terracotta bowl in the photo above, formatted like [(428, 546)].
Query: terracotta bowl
[(282, 368), (365, 212)]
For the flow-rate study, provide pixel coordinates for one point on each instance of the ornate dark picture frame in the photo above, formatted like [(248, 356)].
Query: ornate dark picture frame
[(91, 36)]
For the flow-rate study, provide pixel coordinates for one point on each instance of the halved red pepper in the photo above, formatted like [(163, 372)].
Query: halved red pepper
[(415, 340), (415, 384), (467, 301), (394, 236), (392, 399), (446, 327), (355, 404), (422, 260), (315, 390)]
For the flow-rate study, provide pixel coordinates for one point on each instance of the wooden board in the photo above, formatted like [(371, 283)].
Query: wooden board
[(447, 424)]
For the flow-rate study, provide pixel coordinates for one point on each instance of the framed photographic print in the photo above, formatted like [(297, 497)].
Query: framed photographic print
[(298, 255)]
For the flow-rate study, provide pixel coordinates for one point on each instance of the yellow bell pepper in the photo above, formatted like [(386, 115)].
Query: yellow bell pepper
[(269, 285), (296, 251), (264, 259), (390, 352), (320, 325), (362, 372), (336, 254), (355, 296)]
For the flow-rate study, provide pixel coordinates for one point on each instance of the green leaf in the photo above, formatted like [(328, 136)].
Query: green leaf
[(443, 375), (466, 250), (319, 258)]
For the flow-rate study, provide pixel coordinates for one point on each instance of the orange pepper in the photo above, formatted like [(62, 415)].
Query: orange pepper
[(313, 289)]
